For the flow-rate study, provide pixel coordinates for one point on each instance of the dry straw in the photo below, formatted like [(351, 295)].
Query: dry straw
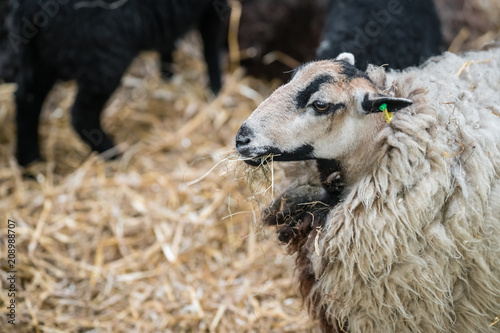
[(137, 244)]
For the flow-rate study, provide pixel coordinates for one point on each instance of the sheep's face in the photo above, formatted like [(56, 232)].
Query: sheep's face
[(324, 112)]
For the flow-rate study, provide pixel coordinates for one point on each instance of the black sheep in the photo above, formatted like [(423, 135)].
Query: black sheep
[(399, 33), (94, 42), (7, 56)]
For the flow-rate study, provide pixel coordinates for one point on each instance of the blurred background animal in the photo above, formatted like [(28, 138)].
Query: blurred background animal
[(395, 33), (271, 46), (7, 55), (94, 42)]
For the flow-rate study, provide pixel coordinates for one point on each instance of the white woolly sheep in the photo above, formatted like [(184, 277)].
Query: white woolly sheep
[(411, 242)]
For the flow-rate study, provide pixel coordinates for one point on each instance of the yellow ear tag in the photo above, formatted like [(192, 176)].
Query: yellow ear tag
[(387, 114)]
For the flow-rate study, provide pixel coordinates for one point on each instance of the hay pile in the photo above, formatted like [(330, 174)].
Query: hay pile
[(127, 245)]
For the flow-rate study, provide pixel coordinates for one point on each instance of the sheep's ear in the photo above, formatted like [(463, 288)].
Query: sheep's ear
[(346, 56), (372, 104)]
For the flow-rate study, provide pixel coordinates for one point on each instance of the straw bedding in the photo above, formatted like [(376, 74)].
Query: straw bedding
[(129, 245), (153, 241)]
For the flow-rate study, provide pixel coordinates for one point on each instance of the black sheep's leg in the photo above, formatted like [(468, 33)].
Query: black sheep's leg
[(211, 29), (29, 97), (95, 86), (86, 114), (167, 67)]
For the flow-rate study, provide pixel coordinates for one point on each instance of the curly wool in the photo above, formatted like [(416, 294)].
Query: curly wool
[(415, 245)]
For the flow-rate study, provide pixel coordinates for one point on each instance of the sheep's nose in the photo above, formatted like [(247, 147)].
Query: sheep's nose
[(244, 136)]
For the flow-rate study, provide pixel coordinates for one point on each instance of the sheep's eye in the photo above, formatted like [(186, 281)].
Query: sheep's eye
[(320, 106)]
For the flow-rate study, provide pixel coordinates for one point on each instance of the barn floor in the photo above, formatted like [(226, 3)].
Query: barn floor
[(129, 245), (167, 237)]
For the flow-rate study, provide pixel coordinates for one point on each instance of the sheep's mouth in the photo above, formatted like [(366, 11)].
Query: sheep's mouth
[(267, 154), (256, 161)]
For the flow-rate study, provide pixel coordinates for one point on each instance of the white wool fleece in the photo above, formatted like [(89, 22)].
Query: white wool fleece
[(415, 245)]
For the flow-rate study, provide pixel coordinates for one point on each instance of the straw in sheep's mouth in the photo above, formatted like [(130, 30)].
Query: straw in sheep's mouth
[(260, 160), (257, 161), (305, 152), (256, 156)]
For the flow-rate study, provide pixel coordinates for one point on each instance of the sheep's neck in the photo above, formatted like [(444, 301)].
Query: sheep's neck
[(355, 164)]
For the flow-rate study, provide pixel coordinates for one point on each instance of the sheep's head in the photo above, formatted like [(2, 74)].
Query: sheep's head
[(326, 111)]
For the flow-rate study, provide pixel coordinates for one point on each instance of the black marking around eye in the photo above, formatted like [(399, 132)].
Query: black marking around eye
[(303, 96)]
